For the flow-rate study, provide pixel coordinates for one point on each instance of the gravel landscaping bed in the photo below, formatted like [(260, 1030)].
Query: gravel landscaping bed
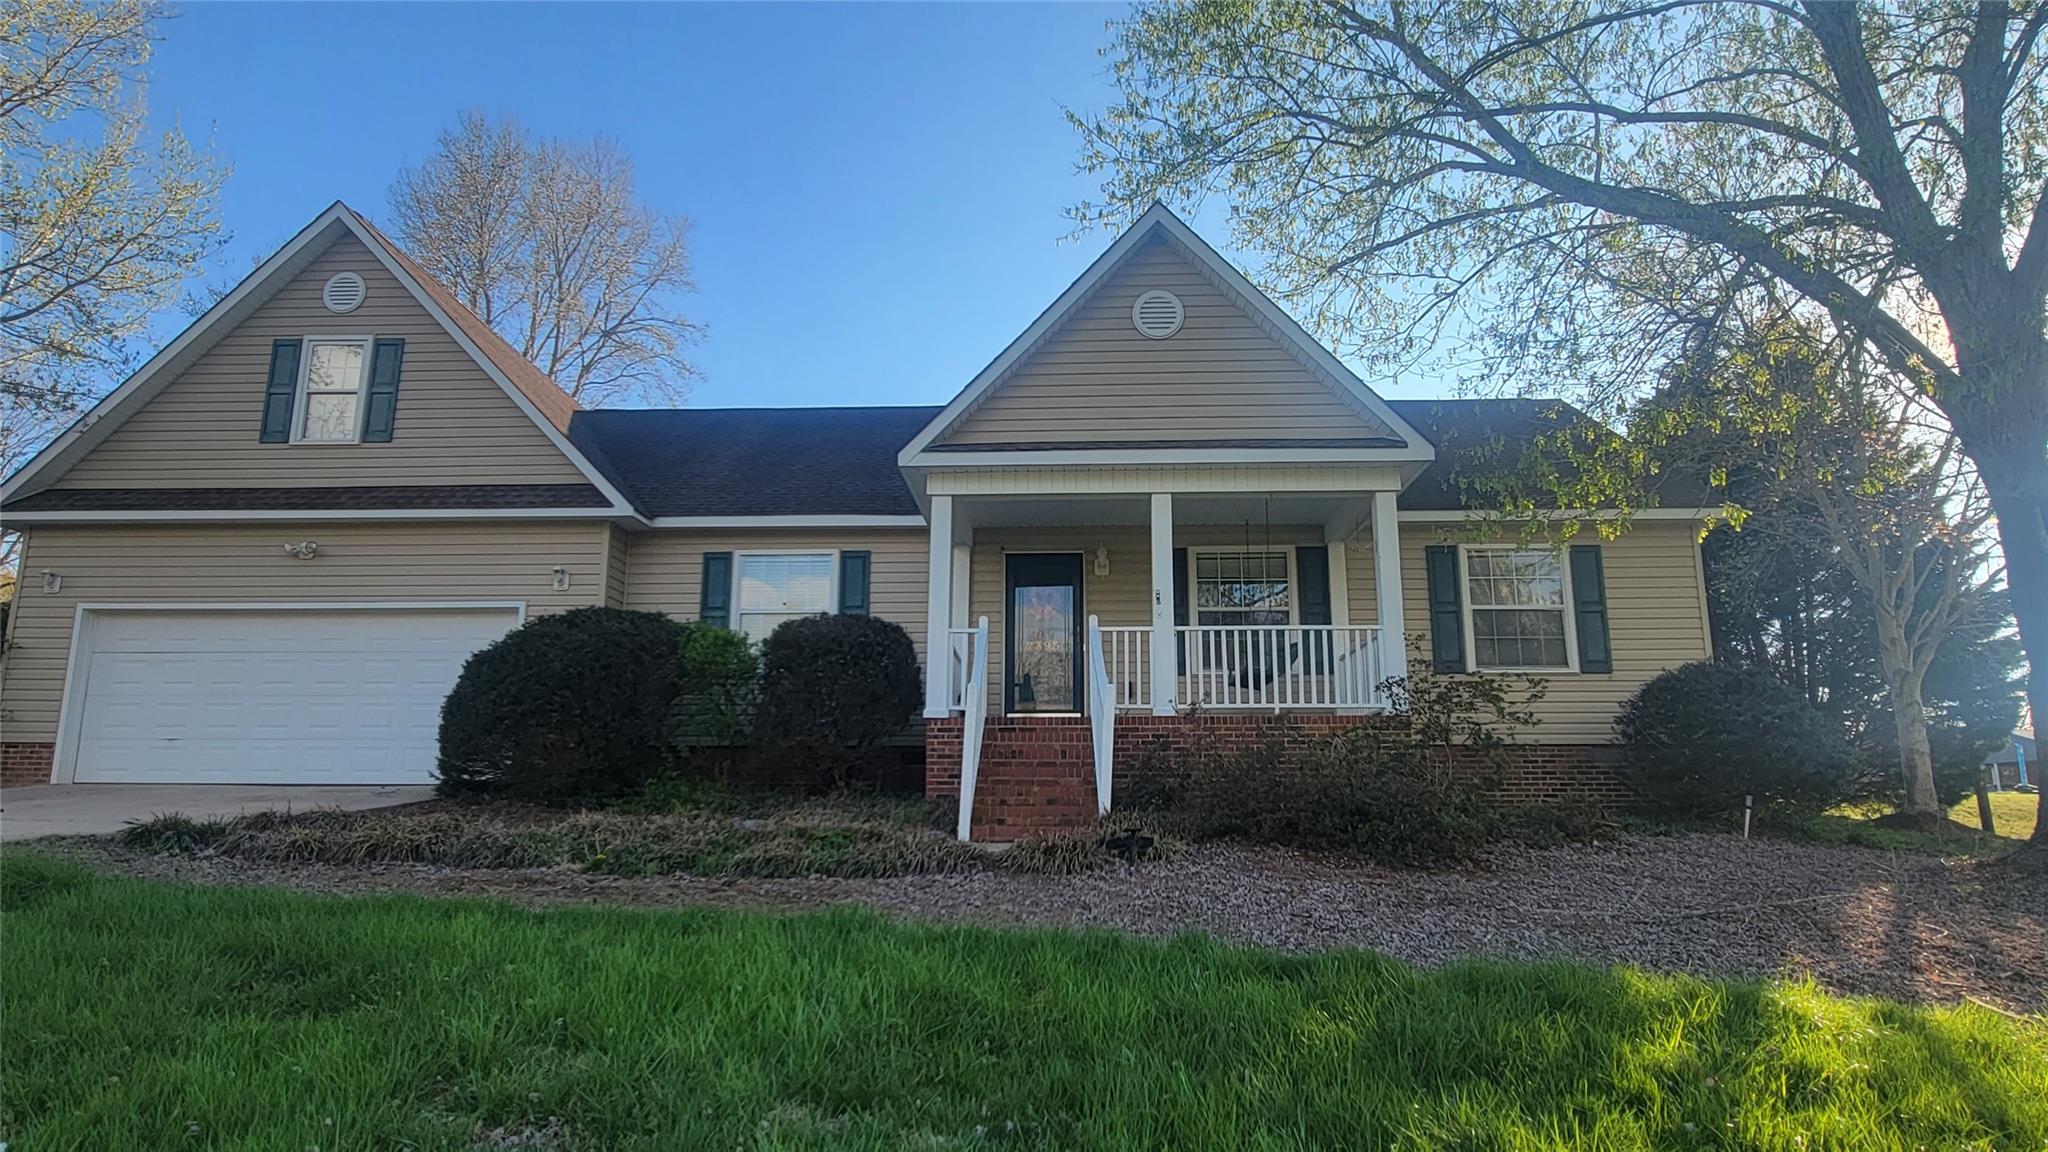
[(1858, 920)]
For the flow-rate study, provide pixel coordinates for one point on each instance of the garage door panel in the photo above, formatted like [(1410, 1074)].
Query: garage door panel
[(312, 697)]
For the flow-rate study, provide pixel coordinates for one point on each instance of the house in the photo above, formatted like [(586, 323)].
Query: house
[(2016, 764), (265, 556)]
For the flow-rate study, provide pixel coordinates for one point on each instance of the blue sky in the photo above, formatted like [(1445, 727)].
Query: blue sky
[(877, 190)]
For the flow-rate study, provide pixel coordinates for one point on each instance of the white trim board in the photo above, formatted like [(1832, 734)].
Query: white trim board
[(337, 220), (64, 756), (1159, 218)]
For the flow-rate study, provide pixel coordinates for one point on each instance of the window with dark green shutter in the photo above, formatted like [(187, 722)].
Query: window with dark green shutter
[(1589, 607), (1446, 608), (853, 583), (380, 407), (1180, 605), (714, 599), (280, 392)]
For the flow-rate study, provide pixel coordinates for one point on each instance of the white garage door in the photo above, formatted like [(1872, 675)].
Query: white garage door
[(290, 696)]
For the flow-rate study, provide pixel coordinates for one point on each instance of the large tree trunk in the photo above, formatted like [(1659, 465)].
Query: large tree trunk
[(2019, 493), (1916, 758), (1909, 713)]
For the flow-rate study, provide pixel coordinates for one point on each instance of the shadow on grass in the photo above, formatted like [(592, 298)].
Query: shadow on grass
[(139, 1013)]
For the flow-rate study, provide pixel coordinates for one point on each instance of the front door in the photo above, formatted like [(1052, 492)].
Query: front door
[(1042, 637)]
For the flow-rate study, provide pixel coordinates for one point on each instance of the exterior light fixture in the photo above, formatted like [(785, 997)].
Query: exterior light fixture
[(1102, 560), (52, 582), (561, 582), (303, 550)]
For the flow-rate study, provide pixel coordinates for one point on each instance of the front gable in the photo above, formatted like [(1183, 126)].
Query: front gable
[(1237, 376), (453, 425), (1221, 378), (471, 425)]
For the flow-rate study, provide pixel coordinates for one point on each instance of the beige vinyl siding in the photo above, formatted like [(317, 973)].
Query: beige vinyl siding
[(451, 560), (454, 424), (1221, 377), (665, 568), (1655, 620)]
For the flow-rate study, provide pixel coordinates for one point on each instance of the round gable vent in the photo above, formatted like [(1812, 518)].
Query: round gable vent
[(344, 292), (1157, 314)]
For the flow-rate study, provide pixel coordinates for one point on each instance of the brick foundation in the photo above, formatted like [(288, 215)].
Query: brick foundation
[(1038, 775), (22, 764)]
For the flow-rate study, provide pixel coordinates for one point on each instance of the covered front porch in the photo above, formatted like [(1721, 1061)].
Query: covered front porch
[(1051, 605)]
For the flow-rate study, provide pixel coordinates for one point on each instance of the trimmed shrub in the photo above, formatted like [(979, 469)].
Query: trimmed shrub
[(832, 689), (720, 676), (564, 708), (1698, 738)]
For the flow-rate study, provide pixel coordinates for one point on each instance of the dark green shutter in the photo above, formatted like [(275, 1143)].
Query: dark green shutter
[(853, 583), (1446, 608), (1312, 573), (380, 410), (280, 391), (714, 601), (1589, 607)]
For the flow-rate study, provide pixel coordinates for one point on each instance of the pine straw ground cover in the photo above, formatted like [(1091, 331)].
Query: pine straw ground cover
[(150, 1015), (694, 835)]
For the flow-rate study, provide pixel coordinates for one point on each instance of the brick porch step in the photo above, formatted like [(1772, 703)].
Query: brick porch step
[(1037, 777)]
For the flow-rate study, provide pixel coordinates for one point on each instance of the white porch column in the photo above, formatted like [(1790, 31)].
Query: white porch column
[(1165, 667), (1386, 574), (938, 612)]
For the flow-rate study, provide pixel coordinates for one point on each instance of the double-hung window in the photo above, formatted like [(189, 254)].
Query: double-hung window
[(772, 587), (1516, 600), (1242, 588), (331, 385)]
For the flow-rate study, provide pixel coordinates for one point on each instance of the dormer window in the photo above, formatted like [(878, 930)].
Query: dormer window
[(331, 387)]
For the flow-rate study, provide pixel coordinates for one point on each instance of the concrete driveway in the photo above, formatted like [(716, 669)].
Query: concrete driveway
[(94, 809)]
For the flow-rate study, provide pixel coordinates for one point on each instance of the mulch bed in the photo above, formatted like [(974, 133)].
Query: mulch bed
[(1857, 920)]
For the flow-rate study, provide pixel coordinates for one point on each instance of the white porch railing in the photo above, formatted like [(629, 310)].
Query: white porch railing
[(970, 663), (1274, 666), (1101, 713), (1280, 666), (1124, 651)]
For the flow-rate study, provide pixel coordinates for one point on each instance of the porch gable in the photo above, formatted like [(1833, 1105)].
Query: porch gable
[(1163, 350)]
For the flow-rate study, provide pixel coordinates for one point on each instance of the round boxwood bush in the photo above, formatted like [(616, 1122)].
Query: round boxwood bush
[(564, 707), (1698, 738), (832, 689)]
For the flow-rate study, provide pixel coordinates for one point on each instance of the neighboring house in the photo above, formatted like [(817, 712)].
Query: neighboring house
[(2019, 762), (266, 555)]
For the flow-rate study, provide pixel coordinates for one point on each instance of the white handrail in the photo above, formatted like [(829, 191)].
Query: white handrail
[(975, 705), (959, 666), (1101, 714), (1280, 666)]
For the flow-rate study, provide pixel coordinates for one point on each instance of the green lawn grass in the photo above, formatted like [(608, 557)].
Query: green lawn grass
[(147, 1015), (2012, 814)]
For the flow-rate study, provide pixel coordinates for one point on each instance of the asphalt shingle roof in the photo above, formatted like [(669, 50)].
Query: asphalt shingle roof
[(842, 461), (754, 461)]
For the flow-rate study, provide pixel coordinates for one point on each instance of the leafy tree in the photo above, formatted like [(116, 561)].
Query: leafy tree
[(1832, 454), (546, 241), (100, 225), (1582, 187)]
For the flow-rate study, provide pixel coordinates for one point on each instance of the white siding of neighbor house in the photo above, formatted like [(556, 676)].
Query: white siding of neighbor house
[(454, 425), (1221, 377), (449, 560)]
